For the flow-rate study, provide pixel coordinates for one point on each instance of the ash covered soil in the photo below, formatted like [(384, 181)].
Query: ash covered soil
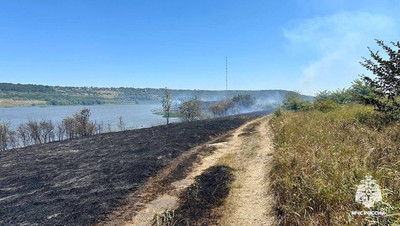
[(75, 182)]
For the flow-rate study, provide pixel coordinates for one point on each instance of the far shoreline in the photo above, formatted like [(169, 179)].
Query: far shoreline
[(57, 105)]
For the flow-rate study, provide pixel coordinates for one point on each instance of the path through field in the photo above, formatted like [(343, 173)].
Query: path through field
[(248, 151), (250, 201)]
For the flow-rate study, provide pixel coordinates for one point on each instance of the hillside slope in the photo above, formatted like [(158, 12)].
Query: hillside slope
[(21, 94)]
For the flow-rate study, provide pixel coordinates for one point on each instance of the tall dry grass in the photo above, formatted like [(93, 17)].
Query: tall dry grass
[(320, 159)]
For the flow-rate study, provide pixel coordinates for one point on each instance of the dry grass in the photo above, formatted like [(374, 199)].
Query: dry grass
[(320, 158), (107, 93), (224, 138), (15, 102)]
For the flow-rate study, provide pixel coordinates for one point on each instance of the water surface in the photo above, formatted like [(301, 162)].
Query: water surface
[(138, 115)]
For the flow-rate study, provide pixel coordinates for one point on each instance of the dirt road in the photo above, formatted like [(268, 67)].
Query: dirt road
[(250, 201), (248, 152)]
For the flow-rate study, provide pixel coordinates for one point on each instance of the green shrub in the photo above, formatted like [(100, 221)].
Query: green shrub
[(385, 82), (294, 102), (373, 119), (298, 105), (190, 110), (278, 112), (325, 105), (340, 96)]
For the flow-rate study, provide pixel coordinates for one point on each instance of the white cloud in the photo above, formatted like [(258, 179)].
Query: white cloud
[(335, 44)]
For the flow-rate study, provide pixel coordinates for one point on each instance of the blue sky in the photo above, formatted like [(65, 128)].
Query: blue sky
[(307, 46)]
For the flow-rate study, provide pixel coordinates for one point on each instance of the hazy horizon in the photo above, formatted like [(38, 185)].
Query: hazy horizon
[(116, 87)]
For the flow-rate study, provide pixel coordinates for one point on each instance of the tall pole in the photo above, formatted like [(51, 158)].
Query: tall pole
[(226, 70)]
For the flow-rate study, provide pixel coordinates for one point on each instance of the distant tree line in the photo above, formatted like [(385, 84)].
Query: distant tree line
[(381, 92), (57, 95), (327, 100), (236, 104)]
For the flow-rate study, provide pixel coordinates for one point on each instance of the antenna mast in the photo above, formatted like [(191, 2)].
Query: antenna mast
[(226, 78)]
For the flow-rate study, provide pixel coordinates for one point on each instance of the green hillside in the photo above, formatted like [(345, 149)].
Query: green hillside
[(27, 94)]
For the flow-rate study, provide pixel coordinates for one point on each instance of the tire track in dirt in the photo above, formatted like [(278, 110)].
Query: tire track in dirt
[(251, 201)]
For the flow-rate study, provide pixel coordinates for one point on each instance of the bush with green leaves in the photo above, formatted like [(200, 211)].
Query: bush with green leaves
[(190, 110), (325, 105), (278, 112), (385, 85), (340, 96), (293, 101)]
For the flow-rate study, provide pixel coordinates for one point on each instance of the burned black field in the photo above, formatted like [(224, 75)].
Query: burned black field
[(75, 182)]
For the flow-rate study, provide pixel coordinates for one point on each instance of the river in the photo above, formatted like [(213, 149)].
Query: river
[(137, 116)]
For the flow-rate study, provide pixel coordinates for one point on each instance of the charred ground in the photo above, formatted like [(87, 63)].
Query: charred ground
[(74, 182)]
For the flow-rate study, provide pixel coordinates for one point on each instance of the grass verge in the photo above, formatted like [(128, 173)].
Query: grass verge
[(320, 159), (171, 115)]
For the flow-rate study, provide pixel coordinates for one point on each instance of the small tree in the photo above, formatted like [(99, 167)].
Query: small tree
[(361, 90), (7, 137), (34, 131), (82, 119), (386, 85), (340, 96), (190, 110), (217, 109), (23, 134), (167, 103), (294, 102), (60, 131), (221, 108), (323, 95), (47, 131), (69, 126)]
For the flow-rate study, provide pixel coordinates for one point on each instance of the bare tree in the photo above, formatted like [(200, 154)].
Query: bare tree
[(34, 132), (23, 134), (47, 131), (69, 126), (7, 137), (60, 131), (99, 127), (82, 119), (109, 127), (121, 123), (91, 128)]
